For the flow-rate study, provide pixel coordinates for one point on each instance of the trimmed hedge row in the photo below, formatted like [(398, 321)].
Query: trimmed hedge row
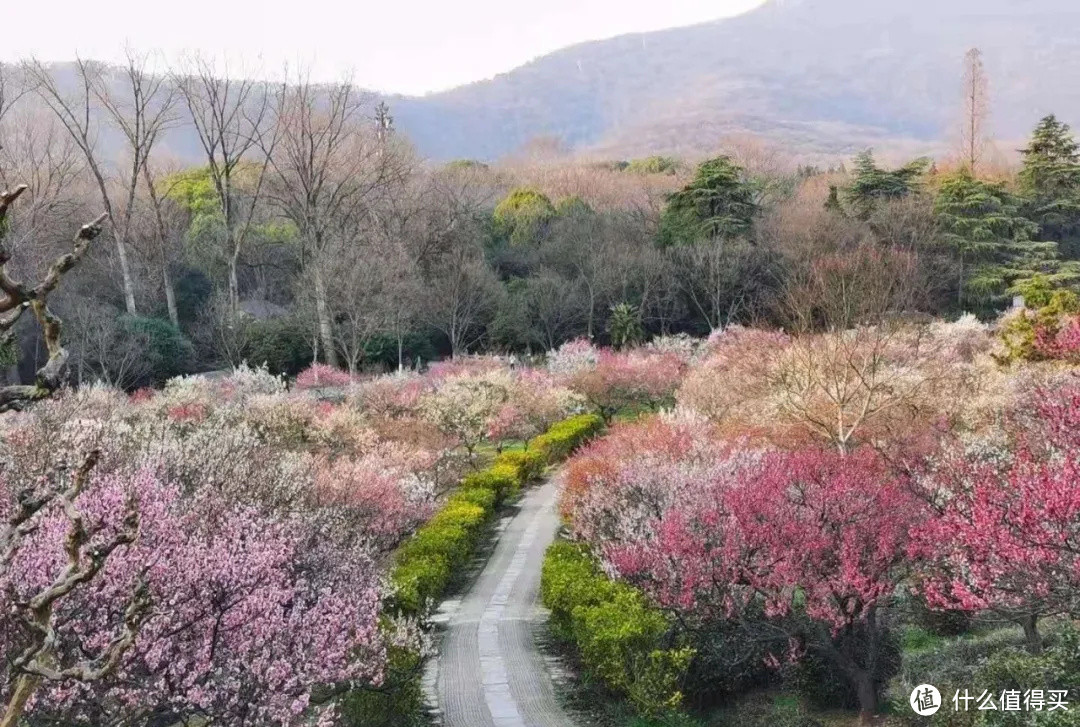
[(427, 561), (623, 641)]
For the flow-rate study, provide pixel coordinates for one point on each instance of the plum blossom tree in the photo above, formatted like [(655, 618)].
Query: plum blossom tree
[(1007, 535), (805, 548), (628, 379), (140, 602)]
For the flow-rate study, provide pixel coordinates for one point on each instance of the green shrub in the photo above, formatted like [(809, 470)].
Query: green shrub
[(623, 641), (418, 582), (568, 580), (528, 463), (993, 661), (502, 479), (479, 496), (164, 350), (564, 437), (283, 344)]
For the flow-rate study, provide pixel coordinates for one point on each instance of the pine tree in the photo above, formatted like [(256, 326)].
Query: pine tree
[(983, 223), (718, 203), (1050, 182), (872, 184)]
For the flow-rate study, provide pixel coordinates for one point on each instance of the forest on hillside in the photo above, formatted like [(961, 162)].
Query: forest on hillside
[(313, 232)]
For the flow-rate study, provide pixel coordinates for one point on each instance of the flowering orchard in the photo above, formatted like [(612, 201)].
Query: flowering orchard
[(807, 494), (215, 552)]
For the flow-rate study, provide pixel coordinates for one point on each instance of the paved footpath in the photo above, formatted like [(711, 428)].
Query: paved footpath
[(490, 672)]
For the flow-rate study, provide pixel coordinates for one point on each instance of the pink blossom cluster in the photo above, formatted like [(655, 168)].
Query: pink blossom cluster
[(246, 614), (637, 378), (1008, 534), (321, 376), (1060, 344)]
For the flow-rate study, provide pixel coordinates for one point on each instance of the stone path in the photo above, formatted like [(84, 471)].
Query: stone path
[(490, 672)]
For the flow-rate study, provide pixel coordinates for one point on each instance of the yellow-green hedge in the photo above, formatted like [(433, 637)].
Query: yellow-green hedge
[(564, 437), (622, 639), (426, 562)]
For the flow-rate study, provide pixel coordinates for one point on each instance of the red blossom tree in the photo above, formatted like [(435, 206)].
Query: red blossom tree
[(810, 546)]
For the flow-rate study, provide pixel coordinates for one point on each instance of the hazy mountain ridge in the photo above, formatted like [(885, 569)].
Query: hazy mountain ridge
[(841, 73), (824, 78)]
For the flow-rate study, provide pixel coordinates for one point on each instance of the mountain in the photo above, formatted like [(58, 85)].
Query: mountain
[(826, 76)]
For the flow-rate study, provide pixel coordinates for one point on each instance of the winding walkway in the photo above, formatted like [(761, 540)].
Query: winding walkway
[(490, 672)]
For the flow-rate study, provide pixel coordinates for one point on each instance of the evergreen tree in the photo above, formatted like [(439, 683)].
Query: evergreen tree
[(871, 184), (523, 216), (624, 326), (1050, 181), (717, 203), (983, 224)]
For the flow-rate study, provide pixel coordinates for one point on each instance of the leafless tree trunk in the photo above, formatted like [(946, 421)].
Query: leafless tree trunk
[(18, 297), (329, 167), (974, 137)]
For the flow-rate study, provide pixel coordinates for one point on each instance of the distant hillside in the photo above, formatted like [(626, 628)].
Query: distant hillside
[(830, 76)]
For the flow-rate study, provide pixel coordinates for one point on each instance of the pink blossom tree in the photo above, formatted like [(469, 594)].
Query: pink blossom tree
[(1007, 535), (635, 379), (132, 600), (809, 546)]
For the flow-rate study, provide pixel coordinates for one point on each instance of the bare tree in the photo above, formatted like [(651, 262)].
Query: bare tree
[(36, 150), (327, 167), (169, 225), (974, 134), (140, 113), (12, 88), (18, 297), (716, 276), (461, 294), (232, 118)]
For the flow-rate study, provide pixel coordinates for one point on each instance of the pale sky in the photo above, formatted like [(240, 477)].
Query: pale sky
[(406, 46)]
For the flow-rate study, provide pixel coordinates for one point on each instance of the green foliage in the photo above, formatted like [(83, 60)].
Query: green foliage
[(993, 661), (465, 164), (564, 437), (871, 184), (983, 225), (165, 351), (624, 326), (480, 497), (623, 641), (1047, 306), (766, 709), (193, 289), (573, 206), (1050, 180), (397, 702), (522, 217), (529, 463), (503, 479), (653, 165), (9, 352), (717, 203), (283, 344)]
